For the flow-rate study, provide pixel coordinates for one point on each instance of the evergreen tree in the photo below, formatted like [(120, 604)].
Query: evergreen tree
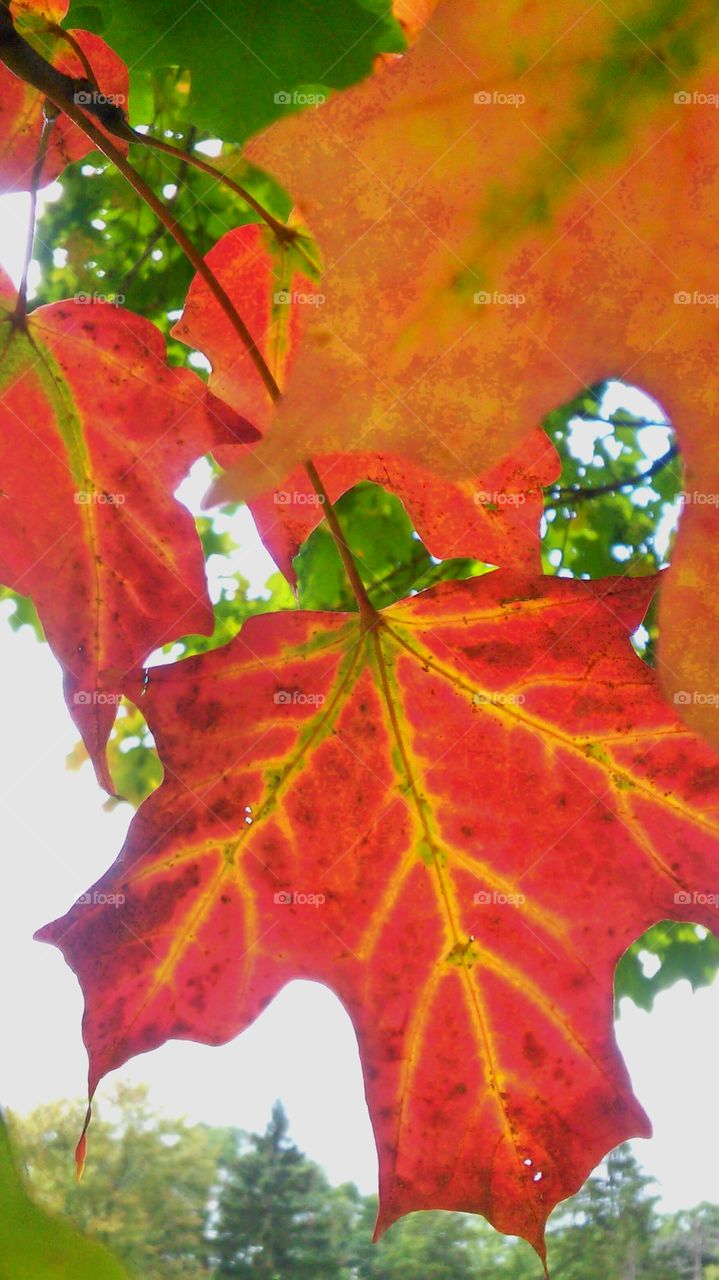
[(438, 1246), (609, 1228), (277, 1218), (689, 1243)]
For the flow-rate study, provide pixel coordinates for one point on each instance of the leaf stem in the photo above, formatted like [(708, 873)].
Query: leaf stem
[(282, 232), (369, 614), (59, 88), (20, 314), (146, 193)]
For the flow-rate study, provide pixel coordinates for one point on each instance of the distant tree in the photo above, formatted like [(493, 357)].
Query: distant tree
[(437, 1246), (147, 1187), (689, 1241), (609, 1228), (277, 1217)]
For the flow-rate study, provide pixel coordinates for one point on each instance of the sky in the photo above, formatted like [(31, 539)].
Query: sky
[(57, 840)]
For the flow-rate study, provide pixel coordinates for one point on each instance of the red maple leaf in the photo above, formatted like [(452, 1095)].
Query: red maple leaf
[(456, 814)]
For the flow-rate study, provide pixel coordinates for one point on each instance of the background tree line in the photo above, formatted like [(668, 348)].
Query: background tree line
[(185, 1202)]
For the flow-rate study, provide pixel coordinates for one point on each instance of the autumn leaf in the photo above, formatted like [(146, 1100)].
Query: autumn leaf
[(261, 278), (48, 10), (524, 205), (21, 106), (96, 433), (457, 815), (413, 14), (496, 515)]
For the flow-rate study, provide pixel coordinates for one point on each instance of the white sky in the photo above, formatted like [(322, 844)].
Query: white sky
[(58, 840)]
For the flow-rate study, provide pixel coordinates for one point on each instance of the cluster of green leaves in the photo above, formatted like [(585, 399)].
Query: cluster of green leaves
[(100, 240), (177, 1201), (269, 51)]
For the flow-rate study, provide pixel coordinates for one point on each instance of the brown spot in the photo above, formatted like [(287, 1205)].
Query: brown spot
[(533, 1051)]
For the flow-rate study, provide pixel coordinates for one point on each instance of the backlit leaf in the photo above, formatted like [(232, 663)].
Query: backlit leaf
[(523, 205), (95, 434), (495, 515), (21, 108), (341, 803)]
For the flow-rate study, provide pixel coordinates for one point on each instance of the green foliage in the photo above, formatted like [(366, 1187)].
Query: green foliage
[(275, 1214), (679, 951), (247, 58), (23, 612), (180, 1202), (689, 1243), (112, 245), (41, 1246), (602, 517), (609, 1228), (390, 557), (146, 1189)]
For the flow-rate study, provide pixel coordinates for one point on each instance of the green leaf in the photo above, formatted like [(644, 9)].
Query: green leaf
[(248, 59), (37, 1246)]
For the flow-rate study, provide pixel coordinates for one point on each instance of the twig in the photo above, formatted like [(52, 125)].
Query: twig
[(364, 604), (567, 497)]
